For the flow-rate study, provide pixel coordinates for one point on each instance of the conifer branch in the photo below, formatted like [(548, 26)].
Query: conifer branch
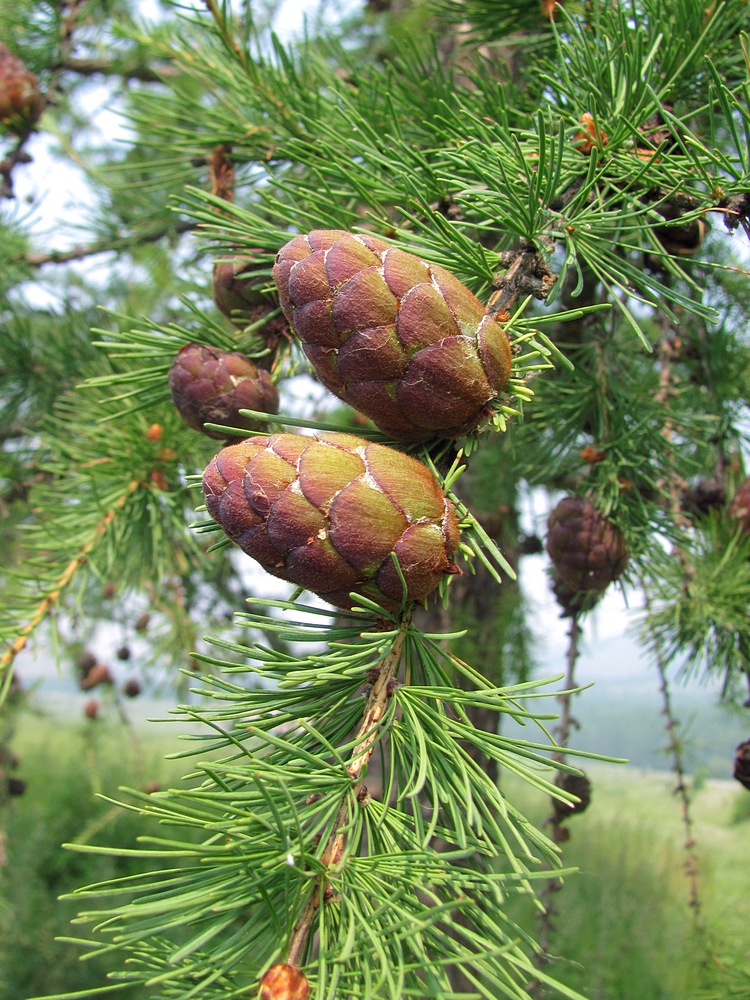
[(559, 832), (378, 699), (116, 244), (51, 598), (681, 789)]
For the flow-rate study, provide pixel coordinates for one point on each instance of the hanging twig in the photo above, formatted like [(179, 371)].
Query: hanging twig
[(690, 865), (559, 832), (51, 598), (377, 703)]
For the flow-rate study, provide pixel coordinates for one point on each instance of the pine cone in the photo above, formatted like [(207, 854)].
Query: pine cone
[(99, 674), (572, 602), (578, 785), (328, 513), (400, 340), (587, 551), (742, 764), (284, 982), (21, 100), (236, 290), (131, 688), (212, 386), (739, 508), (682, 240)]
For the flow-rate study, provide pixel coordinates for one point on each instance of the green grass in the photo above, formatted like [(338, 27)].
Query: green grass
[(623, 923), (64, 766)]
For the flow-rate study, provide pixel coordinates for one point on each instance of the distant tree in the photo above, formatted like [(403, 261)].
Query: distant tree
[(303, 227)]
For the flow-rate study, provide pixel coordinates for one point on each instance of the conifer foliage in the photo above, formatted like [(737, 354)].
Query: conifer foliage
[(333, 305)]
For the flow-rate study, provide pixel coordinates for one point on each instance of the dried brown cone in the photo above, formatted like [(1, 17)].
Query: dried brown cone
[(587, 551), (399, 339), (681, 239), (742, 764), (21, 100), (572, 602), (212, 386), (739, 507), (578, 785), (284, 982), (131, 688), (330, 512)]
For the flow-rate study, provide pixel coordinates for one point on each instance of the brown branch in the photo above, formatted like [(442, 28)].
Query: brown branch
[(559, 833), (114, 245), (527, 273), (377, 703), (92, 66), (674, 746), (50, 599)]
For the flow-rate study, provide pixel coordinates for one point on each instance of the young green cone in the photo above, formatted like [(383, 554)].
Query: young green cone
[(212, 386), (330, 512), (400, 340)]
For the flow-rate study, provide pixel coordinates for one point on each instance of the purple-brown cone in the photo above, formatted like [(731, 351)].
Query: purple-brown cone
[(328, 513), (400, 340), (587, 551), (236, 288), (212, 386), (21, 101), (742, 764)]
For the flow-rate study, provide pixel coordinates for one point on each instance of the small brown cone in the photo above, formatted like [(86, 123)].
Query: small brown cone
[(99, 674), (21, 101), (284, 982), (587, 552), (578, 785), (742, 764), (212, 386)]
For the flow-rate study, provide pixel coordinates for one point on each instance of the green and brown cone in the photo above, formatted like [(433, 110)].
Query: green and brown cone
[(329, 513), (587, 553), (21, 100), (399, 339), (212, 386)]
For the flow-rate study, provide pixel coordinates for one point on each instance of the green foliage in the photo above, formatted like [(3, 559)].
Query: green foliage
[(85, 757), (565, 175)]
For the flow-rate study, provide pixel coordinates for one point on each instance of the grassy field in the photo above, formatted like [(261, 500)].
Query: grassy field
[(623, 923)]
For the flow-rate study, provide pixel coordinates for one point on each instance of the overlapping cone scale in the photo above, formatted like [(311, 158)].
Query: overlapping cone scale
[(399, 339), (211, 386), (329, 512), (587, 551)]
